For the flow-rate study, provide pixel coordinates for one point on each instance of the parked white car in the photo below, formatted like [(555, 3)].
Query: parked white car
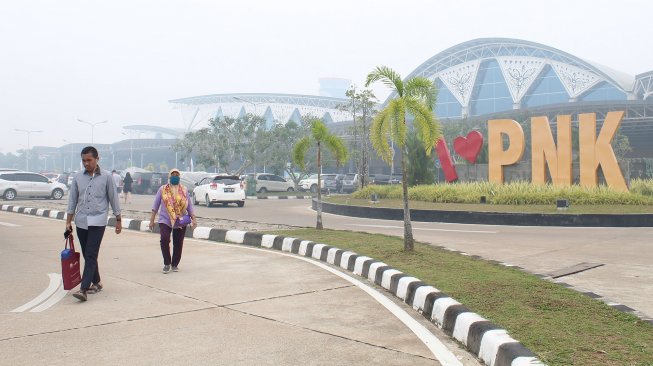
[(272, 183), (310, 183), (26, 184), (224, 189)]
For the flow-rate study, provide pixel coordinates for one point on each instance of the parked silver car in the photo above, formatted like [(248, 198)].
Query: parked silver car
[(272, 183), (26, 184)]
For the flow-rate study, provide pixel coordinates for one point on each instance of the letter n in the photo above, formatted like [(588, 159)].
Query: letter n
[(595, 152), (497, 156), (545, 153)]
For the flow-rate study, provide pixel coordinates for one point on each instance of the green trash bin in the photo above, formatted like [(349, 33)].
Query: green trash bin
[(251, 186)]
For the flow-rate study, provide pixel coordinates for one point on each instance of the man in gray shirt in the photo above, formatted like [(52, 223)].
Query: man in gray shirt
[(91, 192)]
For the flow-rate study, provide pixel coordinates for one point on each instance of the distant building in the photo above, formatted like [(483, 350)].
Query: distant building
[(334, 87)]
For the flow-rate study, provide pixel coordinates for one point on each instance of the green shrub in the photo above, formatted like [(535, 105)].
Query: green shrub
[(642, 186), (516, 193)]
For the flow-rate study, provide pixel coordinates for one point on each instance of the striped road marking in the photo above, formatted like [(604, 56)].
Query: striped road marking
[(50, 296), (8, 224)]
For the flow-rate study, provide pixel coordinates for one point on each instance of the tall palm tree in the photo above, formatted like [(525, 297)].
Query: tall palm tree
[(415, 96), (319, 137)]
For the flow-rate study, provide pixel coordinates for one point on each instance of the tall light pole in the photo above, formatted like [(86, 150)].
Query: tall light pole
[(92, 126), (131, 149), (28, 132)]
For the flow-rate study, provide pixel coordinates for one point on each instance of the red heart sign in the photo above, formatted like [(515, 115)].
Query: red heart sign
[(469, 147)]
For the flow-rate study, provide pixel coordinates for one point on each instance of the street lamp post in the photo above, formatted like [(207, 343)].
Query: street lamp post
[(28, 132), (92, 126), (72, 156), (131, 149)]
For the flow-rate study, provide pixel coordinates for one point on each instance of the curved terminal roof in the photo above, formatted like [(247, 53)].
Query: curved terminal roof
[(273, 107), (521, 62)]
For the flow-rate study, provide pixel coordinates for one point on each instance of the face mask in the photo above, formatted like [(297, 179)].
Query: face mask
[(174, 180)]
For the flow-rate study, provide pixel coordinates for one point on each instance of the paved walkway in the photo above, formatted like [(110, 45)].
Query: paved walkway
[(227, 305)]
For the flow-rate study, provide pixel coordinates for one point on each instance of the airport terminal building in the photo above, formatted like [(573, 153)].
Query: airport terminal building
[(477, 80)]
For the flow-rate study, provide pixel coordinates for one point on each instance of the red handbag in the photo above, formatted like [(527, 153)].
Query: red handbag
[(70, 265)]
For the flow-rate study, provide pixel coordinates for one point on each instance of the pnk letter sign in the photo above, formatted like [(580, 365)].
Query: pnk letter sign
[(594, 151), (506, 146)]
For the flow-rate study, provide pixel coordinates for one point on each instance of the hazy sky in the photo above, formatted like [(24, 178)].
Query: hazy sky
[(121, 61)]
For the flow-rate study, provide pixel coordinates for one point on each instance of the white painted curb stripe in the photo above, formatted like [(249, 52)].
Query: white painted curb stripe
[(303, 246), (492, 340), (145, 226), (358, 265), (268, 241), (385, 279), (331, 256), (53, 214), (201, 232), (402, 286), (440, 306), (16, 208), (463, 322), (126, 222), (371, 275), (235, 236), (419, 301), (527, 361), (40, 212), (286, 246), (55, 282), (344, 260), (317, 251)]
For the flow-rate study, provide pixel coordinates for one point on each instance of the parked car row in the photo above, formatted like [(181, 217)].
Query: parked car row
[(16, 183)]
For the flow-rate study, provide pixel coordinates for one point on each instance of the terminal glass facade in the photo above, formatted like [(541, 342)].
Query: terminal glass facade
[(490, 93), (547, 89)]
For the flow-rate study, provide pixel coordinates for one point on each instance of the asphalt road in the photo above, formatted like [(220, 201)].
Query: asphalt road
[(227, 305), (626, 254)]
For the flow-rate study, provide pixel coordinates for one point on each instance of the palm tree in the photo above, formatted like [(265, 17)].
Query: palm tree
[(415, 96), (319, 136)]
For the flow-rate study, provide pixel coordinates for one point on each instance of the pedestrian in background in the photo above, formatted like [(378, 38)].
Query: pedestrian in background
[(117, 181), (92, 191), (127, 187), (172, 201)]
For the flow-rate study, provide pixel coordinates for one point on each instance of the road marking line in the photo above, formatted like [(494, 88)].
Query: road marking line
[(55, 283), (439, 350), (425, 229), (60, 294), (8, 224)]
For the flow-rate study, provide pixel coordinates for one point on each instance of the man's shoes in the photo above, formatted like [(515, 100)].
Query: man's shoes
[(95, 288), (175, 269), (166, 268), (80, 295)]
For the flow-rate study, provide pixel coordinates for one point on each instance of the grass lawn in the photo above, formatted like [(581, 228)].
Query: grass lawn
[(560, 325), (573, 209)]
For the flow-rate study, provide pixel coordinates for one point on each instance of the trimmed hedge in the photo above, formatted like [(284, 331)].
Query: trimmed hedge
[(516, 193)]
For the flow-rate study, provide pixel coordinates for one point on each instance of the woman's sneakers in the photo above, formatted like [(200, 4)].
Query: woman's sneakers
[(80, 295), (166, 269), (95, 288), (175, 269)]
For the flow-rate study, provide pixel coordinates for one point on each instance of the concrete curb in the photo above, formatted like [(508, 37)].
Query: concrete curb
[(491, 218), (491, 344), (278, 197)]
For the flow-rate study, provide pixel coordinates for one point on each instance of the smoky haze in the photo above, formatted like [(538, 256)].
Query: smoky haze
[(121, 61)]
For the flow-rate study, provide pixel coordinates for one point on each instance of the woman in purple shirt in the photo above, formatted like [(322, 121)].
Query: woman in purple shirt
[(172, 201)]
